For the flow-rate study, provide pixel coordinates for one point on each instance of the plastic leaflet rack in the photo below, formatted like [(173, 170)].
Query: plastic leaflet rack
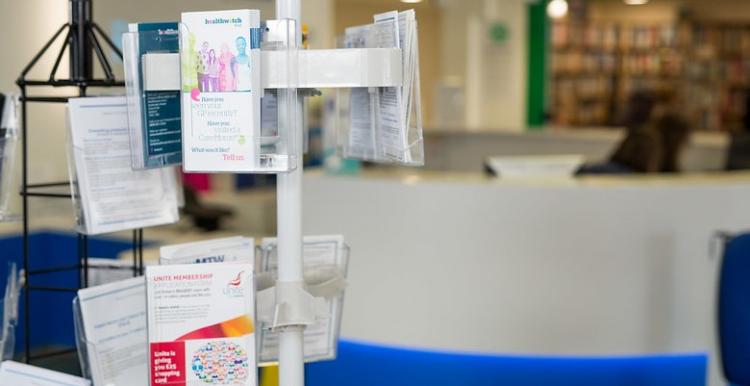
[(107, 194), (153, 101), (9, 314), (325, 260), (114, 349), (224, 128), (384, 124), (88, 351), (9, 109)]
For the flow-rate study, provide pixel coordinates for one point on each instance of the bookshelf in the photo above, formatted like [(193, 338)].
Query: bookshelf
[(596, 66)]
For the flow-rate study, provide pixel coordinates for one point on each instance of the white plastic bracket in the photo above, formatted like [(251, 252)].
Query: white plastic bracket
[(297, 304), (337, 68)]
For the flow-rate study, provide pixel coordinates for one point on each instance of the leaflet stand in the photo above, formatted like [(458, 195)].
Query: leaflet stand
[(86, 44), (380, 67)]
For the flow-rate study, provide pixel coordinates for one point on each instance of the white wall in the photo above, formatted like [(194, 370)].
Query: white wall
[(594, 268), (494, 76)]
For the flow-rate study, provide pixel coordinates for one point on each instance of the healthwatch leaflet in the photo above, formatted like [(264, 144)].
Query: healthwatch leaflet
[(220, 66)]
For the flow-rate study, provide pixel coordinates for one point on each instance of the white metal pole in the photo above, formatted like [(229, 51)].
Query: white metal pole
[(289, 209)]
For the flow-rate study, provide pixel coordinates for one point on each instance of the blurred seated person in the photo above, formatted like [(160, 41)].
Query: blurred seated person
[(656, 136), (738, 157)]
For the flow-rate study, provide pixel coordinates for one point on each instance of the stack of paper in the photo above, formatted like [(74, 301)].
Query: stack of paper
[(385, 123), (108, 192), (18, 374), (229, 249), (114, 340)]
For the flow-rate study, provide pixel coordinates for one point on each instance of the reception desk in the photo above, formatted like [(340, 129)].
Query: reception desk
[(592, 266)]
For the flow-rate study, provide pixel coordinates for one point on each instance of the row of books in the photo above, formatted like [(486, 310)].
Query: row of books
[(574, 63), (611, 36), (192, 319)]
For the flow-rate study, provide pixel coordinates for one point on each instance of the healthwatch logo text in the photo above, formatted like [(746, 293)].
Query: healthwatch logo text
[(221, 20)]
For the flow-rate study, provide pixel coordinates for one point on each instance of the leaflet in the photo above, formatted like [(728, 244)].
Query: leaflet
[(19, 374), (154, 112), (112, 196), (221, 91), (322, 255), (229, 249), (380, 118), (114, 325), (390, 106), (362, 131), (395, 114), (200, 324)]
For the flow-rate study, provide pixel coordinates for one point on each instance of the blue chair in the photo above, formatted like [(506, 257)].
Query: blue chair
[(734, 310), (365, 364)]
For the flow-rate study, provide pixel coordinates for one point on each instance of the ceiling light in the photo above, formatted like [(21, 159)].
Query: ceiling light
[(635, 2), (411, 1), (557, 9)]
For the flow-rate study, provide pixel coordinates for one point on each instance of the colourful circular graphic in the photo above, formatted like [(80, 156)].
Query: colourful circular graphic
[(220, 363)]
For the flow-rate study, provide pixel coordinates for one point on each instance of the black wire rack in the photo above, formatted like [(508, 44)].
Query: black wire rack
[(82, 42)]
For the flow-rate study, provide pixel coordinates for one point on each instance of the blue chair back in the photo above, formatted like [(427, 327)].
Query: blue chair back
[(364, 364), (734, 310)]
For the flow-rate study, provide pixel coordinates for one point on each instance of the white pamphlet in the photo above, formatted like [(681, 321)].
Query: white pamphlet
[(395, 103), (324, 260), (112, 196), (19, 374), (390, 106), (228, 249), (114, 325), (380, 125)]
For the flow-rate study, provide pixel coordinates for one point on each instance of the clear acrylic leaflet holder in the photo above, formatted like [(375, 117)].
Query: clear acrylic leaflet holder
[(154, 100), (321, 338), (260, 142), (9, 314), (384, 124), (89, 354), (170, 183), (84, 347), (8, 142)]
